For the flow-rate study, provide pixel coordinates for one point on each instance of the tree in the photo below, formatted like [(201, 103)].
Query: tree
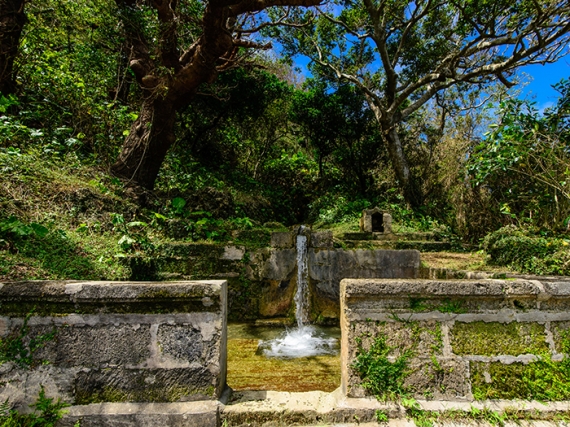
[(340, 128), (175, 47), (524, 161), (12, 21), (400, 54)]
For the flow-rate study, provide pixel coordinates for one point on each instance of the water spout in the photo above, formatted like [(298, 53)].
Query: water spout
[(304, 340), (302, 294)]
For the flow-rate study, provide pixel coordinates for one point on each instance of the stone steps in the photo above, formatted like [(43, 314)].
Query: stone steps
[(309, 409), (280, 409)]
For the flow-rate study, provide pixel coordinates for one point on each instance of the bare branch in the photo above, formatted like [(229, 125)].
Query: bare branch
[(251, 45), (245, 6)]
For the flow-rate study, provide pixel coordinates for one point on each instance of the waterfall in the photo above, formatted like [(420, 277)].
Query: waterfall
[(304, 340), (302, 294)]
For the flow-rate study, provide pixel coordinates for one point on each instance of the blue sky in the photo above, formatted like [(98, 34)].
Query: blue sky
[(543, 77), (538, 80)]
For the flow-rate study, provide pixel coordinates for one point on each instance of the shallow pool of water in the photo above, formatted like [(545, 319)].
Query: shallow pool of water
[(250, 369)]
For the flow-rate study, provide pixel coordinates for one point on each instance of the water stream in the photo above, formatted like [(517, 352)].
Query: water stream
[(304, 340)]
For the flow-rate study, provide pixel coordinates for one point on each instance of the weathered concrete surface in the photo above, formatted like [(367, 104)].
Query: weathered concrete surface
[(262, 280), (328, 267), (258, 408), (273, 275), (187, 414), (282, 409), (116, 342), (464, 337), (376, 221)]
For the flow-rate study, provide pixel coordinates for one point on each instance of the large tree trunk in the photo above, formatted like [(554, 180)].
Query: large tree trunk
[(408, 183), (12, 20), (144, 149), (152, 134)]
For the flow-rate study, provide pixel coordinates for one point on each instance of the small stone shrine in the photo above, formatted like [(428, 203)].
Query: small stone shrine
[(376, 221)]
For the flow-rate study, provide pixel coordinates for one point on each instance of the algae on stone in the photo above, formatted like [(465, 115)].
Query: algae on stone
[(540, 380), (494, 338)]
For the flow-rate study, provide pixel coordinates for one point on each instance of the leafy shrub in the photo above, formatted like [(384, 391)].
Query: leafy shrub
[(381, 377), (526, 251), (46, 413), (333, 208), (19, 348)]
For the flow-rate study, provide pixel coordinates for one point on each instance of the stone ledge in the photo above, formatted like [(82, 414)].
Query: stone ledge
[(66, 297), (256, 408), (478, 288), (194, 414)]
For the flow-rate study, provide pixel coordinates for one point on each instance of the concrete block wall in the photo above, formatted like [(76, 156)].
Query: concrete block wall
[(468, 339), (262, 281), (116, 341)]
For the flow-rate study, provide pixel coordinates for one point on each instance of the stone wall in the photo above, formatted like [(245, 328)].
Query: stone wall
[(461, 339), (262, 281), (114, 341)]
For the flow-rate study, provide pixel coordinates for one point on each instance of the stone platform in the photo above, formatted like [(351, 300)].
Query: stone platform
[(280, 409)]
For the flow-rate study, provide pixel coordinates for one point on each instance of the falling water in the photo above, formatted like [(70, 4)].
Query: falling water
[(304, 340), (302, 294)]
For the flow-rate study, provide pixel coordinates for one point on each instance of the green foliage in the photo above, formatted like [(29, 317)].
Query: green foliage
[(19, 347), (528, 251), (13, 228), (542, 379), (414, 411), (133, 236), (336, 208), (524, 162), (47, 413), (381, 416), (381, 377)]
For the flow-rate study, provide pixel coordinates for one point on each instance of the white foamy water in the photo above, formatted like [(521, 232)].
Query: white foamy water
[(305, 341)]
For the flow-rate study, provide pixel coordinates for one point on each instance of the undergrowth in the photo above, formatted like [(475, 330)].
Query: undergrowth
[(47, 412), (380, 376), (63, 219), (19, 347), (528, 251)]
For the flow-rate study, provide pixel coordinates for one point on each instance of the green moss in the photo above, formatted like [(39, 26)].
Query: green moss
[(561, 335), (493, 338), (452, 306), (446, 305), (243, 298), (541, 380), (255, 238), (437, 346), (57, 309), (142, 394), (107, 394)]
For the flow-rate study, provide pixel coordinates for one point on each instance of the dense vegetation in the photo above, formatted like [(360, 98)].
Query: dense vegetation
[(252, 143)]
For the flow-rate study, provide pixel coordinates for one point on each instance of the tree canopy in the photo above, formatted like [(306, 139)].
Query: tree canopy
[(402, 54), (180, 98)]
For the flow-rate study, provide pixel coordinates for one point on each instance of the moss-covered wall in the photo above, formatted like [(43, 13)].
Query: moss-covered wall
[(89, 342), (463, 339), (262, 279)]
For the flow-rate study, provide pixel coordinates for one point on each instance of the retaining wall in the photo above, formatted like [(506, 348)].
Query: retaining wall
[(464, 340), (114, 341), (262, 281)]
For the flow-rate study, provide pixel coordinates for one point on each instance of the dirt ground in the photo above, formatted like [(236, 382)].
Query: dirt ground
[(466, 261)]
